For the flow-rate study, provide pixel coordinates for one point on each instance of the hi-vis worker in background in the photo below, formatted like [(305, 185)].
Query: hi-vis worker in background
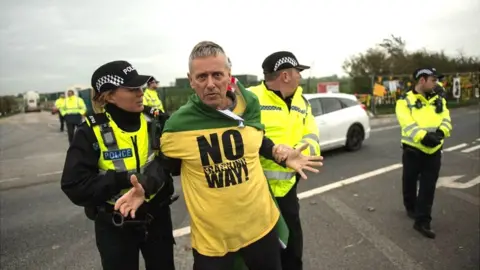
[(288, 120), (425, 122), (73, 111), (59, 104), (110, 154), (151, 100)]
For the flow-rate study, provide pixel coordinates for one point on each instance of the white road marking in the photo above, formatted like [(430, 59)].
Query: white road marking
[(478, 140), (186, 230), (10, 179), (49, 173), (348, 181), (453, 148), (471, 149), (395, 254)]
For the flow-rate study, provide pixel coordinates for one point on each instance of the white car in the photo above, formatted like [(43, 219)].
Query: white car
[(341, 119)]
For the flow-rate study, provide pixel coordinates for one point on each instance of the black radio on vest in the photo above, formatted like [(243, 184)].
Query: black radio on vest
[(439, 105)]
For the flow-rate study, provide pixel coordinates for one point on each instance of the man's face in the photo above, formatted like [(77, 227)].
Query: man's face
[(292, 79), (209, 77), (62, 95), (429, 83), (70, 93)]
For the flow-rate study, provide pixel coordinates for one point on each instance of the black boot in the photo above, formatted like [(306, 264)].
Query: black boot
[(425, 230)]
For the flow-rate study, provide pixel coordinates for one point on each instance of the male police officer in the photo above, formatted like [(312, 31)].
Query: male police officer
[(425, 122), (288, 120), (150, 96)]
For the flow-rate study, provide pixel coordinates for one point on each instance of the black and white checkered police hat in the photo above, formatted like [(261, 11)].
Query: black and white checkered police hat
[(117, 74), (281, 60)]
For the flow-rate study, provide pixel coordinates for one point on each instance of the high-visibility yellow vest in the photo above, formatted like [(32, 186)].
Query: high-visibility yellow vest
[(120, 150), (74, 105), (283, 126), (417, 116), (59, 104), (150, 98)]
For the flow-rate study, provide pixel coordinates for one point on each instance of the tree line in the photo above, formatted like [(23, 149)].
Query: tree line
[(391, 57)]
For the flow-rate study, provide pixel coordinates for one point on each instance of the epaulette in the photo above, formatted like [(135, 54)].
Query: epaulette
[(97, 119)]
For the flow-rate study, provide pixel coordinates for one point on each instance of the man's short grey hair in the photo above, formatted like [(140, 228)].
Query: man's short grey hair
[(206, 49)]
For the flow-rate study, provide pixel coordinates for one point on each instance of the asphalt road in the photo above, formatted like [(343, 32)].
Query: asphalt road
[(352, 211)]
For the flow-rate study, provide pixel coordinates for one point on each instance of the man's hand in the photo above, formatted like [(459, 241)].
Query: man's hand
[(281, 151), (132, 200), (297, 161)]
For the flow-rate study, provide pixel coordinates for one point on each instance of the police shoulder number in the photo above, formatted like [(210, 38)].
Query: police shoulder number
[(97, 119)]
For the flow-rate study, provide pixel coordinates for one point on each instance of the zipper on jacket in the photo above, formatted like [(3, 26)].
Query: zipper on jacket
[(135, 149)]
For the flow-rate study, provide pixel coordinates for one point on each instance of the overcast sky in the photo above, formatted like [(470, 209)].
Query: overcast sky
[(50, 45)]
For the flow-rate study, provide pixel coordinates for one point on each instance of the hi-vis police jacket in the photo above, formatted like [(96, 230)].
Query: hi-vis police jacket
[(151, 99), (73, 105), (292, 127), (417, 116), (102, 157)]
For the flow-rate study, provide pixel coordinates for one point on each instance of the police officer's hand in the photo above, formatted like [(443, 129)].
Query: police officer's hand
[(431, 139), (440, 134), (132, 200), (297, 161)]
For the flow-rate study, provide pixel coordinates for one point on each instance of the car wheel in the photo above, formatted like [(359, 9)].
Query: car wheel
[(355, 136)]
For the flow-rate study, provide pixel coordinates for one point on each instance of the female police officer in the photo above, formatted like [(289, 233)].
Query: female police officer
[(109, 154)]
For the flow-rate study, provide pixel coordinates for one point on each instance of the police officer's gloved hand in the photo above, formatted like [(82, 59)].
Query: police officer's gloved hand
[(440, 134), (431, 139)]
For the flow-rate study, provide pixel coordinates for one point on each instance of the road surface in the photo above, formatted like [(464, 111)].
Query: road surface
[(352, 212)]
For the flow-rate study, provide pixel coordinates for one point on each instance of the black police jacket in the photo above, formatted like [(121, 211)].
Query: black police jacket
[(83, 184)]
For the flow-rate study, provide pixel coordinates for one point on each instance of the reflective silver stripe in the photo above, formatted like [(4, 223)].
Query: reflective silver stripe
[(311, 136), (445, 120), (408, 139), (445, 125), (311, 148), (276, 175), (142, 169), (412, 135), (409, 127)]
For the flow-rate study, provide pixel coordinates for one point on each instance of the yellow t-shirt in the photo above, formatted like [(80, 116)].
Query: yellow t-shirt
[(226, 192)]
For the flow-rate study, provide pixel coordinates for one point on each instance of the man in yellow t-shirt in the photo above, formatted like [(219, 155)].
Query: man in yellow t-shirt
[(217, 139)]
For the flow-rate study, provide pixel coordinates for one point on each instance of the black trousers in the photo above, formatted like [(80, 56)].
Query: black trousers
[(119, 247), (72, 121), (290, 208), (264, 254), (423, 168), (62, 121), (71, 131)]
